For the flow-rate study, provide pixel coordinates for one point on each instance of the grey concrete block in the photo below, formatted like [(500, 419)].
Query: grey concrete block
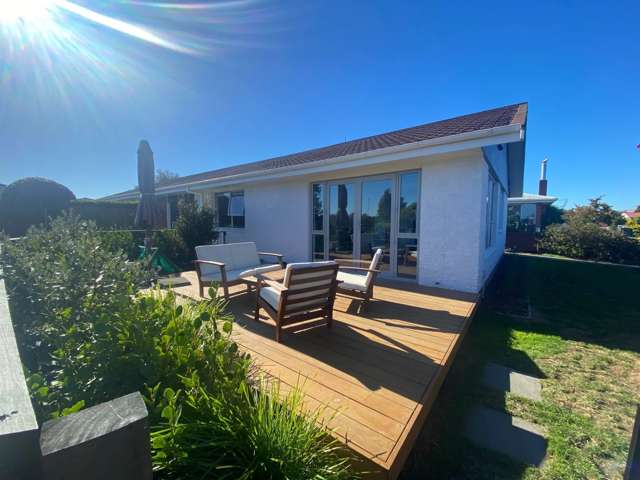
[(500, 432), (108, 441), (505, 379)]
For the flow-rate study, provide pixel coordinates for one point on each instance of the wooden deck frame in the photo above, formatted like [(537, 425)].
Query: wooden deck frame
[(377, 373)]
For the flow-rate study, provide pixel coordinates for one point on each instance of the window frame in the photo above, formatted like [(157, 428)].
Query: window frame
[(232, 222)]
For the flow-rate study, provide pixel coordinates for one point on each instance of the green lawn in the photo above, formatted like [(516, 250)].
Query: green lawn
[(581, 335)]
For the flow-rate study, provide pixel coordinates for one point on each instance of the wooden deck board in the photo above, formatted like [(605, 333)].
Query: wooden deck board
[(375, 374)]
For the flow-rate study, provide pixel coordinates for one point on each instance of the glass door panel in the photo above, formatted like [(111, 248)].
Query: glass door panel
[(341, 216), (375, 220), (407, 257), (407, 221)]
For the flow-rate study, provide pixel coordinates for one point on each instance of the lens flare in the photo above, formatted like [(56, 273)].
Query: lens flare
[(78, 52)]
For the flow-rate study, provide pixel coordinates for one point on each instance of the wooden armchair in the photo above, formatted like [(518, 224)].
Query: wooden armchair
[(229, 264), (359, 281), (307, 292)]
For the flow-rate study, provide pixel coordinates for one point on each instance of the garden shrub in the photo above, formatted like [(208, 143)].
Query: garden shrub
[(31, 201), (590, 241), (194, 225), (122, 240), (106, 213), (171, 245), (64, 275)]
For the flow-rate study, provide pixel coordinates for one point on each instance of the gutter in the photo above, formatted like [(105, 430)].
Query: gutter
[(515, 130)]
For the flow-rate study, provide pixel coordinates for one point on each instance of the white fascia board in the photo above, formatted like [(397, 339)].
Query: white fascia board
[(440, 145)]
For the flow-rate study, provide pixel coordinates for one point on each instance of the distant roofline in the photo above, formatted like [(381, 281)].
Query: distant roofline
[(532, 198), (242, 172)]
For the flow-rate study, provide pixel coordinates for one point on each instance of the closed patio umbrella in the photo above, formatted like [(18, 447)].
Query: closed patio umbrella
[(147, 214)]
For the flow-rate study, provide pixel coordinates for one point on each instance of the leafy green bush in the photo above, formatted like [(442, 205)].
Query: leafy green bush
[(122, 240), (150, 341), (194, 225), (31, 201), (590, 241), (64, 275), (171, 244), (106, 213)]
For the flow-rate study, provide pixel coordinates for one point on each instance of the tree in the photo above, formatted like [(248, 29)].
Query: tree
[(31, 201), (597, 212), (164, 177), (552, 215), (194, 225)]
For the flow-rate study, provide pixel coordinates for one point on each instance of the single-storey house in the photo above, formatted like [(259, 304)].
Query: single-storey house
[(432, 197)]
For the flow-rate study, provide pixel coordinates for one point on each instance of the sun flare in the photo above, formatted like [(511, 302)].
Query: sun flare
[(24, 10)]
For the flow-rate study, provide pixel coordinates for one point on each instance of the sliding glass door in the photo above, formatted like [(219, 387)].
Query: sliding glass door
[(351, 219)]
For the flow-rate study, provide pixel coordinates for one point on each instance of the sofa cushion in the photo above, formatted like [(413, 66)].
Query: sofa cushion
[(244, 255), (353, 281), (216, 253)]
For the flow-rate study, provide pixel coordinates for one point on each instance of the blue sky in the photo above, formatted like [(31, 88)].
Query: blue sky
[(253, 80)]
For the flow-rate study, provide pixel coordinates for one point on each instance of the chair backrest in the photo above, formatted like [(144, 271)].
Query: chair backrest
[(375, 263), (311, 285), (234, 255)]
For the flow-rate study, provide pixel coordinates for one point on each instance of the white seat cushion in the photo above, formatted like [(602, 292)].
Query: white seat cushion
[(353, 281), (271, 295), (232, 275)]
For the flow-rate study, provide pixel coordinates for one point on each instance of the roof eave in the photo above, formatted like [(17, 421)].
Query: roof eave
[(476, 139)]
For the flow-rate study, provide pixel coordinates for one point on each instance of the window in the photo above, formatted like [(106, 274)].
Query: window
[(230, 209), (492, 206), (317, 233)]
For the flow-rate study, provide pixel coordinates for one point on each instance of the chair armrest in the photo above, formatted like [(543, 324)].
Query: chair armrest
[(270, 254), (341, 261), (263, 279), (220, 265), (210, 262), (359, 269)]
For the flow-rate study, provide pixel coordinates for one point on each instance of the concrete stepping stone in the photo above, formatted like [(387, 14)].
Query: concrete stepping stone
[(511, 436), (504, 379)]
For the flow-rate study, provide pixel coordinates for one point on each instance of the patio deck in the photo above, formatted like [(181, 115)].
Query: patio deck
[(377, 372)]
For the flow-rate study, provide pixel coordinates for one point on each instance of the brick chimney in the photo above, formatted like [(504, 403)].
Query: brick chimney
[(542, 185)]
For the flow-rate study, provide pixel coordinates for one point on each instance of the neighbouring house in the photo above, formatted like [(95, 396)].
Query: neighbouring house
[(524, 221), (432, 197), (631, 215)]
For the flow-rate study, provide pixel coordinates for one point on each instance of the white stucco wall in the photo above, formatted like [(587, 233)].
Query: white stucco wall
[(451, 222), (277, 218)]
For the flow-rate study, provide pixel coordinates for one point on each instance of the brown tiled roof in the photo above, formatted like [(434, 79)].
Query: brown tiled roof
[(497, 117)]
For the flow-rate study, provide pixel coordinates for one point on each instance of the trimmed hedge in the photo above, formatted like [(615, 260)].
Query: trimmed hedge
[(31, 201), (106, 214)]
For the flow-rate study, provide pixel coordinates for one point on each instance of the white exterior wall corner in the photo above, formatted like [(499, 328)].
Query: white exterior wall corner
[(452, 222)]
